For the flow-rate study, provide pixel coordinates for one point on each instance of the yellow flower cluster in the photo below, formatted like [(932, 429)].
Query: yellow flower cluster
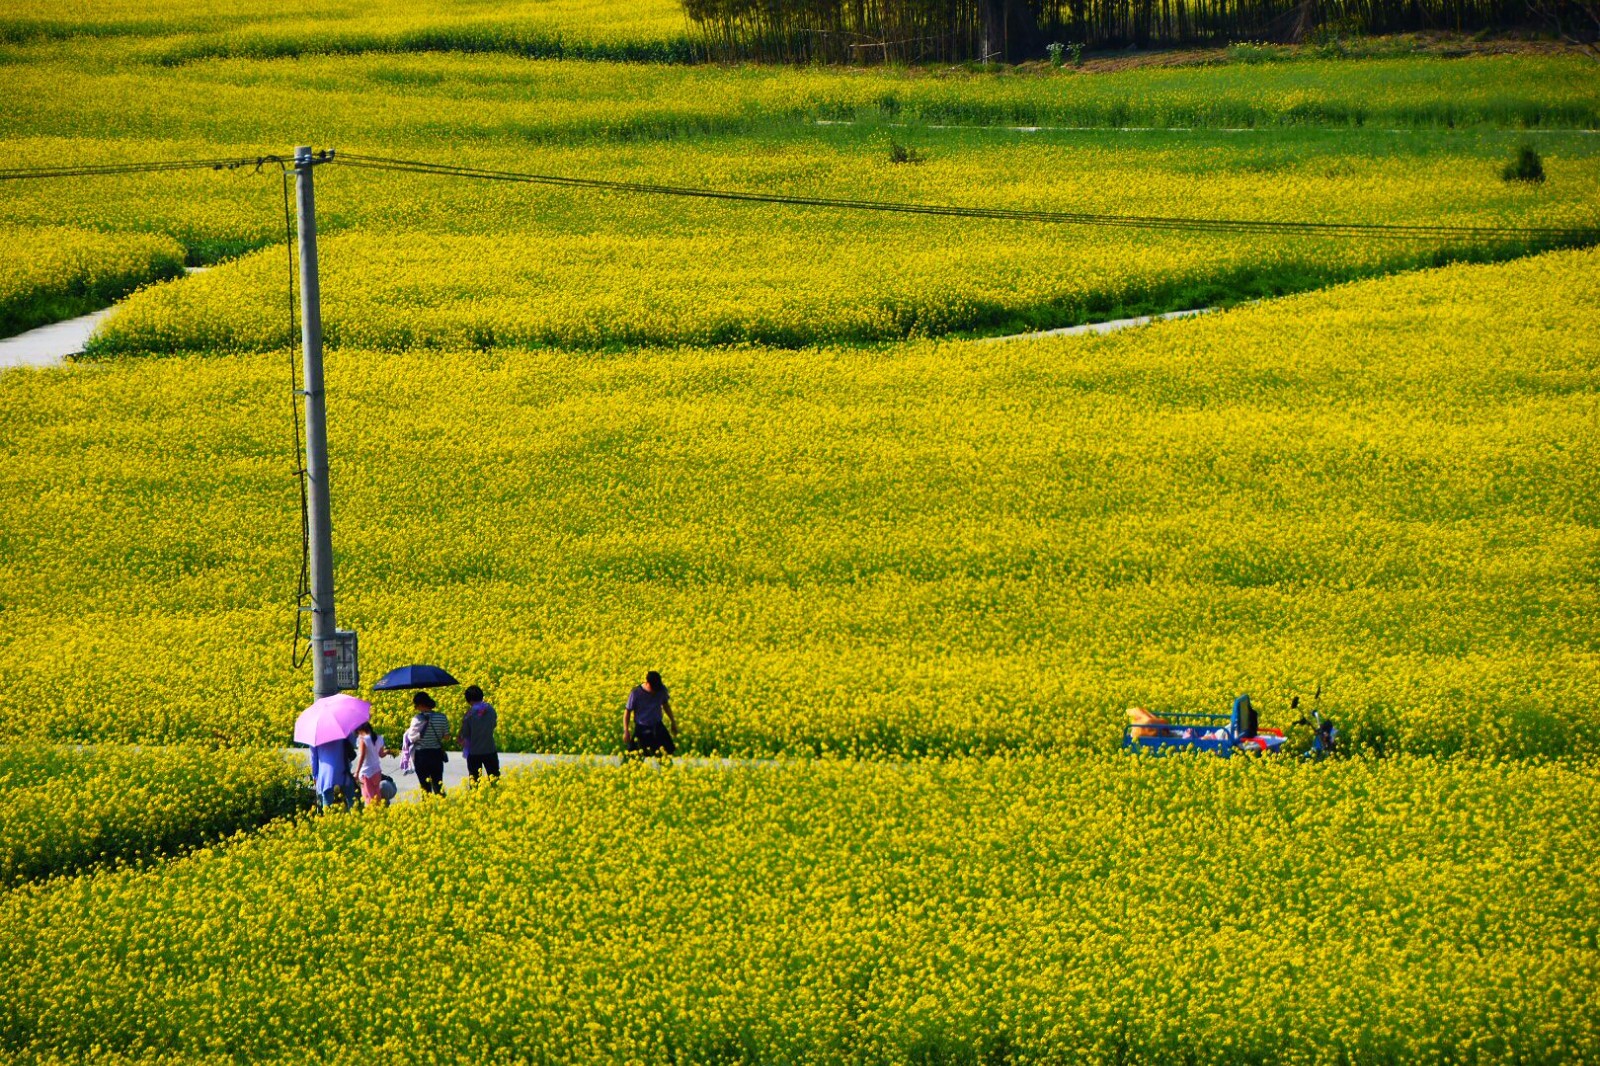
[(1385, 487), (49, 273), (64, 808), (1098, 909)]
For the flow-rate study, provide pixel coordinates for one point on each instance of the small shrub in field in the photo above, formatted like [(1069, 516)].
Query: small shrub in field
[(1252, 52), (899, 153), (1526, 167)]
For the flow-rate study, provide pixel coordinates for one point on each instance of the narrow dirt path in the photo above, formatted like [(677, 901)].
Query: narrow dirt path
[(58, 342), (1096, 327)]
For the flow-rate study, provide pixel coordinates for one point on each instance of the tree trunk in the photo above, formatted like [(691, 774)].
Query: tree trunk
[(1011, 31)]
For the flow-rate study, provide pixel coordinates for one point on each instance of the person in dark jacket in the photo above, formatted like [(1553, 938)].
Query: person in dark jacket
[(477, 735), (643, 729)]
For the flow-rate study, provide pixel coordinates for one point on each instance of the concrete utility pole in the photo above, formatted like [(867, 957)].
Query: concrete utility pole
[(333, 654)]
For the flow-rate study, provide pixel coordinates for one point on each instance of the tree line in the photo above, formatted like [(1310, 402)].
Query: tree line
[(912, 31)]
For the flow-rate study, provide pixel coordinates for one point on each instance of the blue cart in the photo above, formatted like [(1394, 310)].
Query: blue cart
[(1222, 734)]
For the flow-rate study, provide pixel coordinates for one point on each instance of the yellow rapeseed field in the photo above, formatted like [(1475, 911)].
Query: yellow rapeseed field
[(1385, 487), (1094, 909), (444, 263), (577, 436), (177, 31), (464, 95), (48, 273), (64, 808), (593, 291), (457, 263)]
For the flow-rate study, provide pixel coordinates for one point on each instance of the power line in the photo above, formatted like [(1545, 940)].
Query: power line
[(1166, 223), (150, 167), (1390, 231), (303, 587)]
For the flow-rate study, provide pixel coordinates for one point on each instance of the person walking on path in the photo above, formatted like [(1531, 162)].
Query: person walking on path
[(369, 764), (330, 772), (477, 735), (643, 731), (429, 732)]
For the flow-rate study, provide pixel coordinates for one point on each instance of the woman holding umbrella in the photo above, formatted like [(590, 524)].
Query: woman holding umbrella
[(423, 748), (429, 732), (330, 771), (325, 728)]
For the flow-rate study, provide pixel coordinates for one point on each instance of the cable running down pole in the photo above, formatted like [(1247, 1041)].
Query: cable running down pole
[(327, 654)]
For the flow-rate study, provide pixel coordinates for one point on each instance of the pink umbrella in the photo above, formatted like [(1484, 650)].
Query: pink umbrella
[(331, 718)]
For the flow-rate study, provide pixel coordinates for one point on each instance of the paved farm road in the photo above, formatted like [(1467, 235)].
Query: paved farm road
[(1098, 327), (455, 771), (54, 344), (50, 345)]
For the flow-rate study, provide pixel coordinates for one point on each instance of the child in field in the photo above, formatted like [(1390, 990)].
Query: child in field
[(370, 751)]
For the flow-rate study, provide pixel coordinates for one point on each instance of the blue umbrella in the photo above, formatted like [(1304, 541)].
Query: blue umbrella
[(414, 677)]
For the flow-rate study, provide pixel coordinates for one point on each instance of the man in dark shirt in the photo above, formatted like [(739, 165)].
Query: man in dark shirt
[(643, 730), (477, 734)]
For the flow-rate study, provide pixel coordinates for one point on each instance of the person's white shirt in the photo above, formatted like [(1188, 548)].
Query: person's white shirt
[(368, 760)]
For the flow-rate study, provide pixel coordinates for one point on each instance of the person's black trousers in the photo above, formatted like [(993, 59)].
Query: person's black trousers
[(430, 769), (488, 763), (653, 741)]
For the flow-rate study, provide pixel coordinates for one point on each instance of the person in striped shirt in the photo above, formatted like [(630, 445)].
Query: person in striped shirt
[(429, 733)]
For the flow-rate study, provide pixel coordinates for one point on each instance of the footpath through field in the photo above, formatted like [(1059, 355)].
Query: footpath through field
[(1098, 327), (54, 344), (51, 345), (455, 771)]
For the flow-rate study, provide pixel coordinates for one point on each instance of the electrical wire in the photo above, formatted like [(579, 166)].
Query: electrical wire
[(284, 164), (149, 167), (1390, 231), (303, 588), (1377, 230)]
